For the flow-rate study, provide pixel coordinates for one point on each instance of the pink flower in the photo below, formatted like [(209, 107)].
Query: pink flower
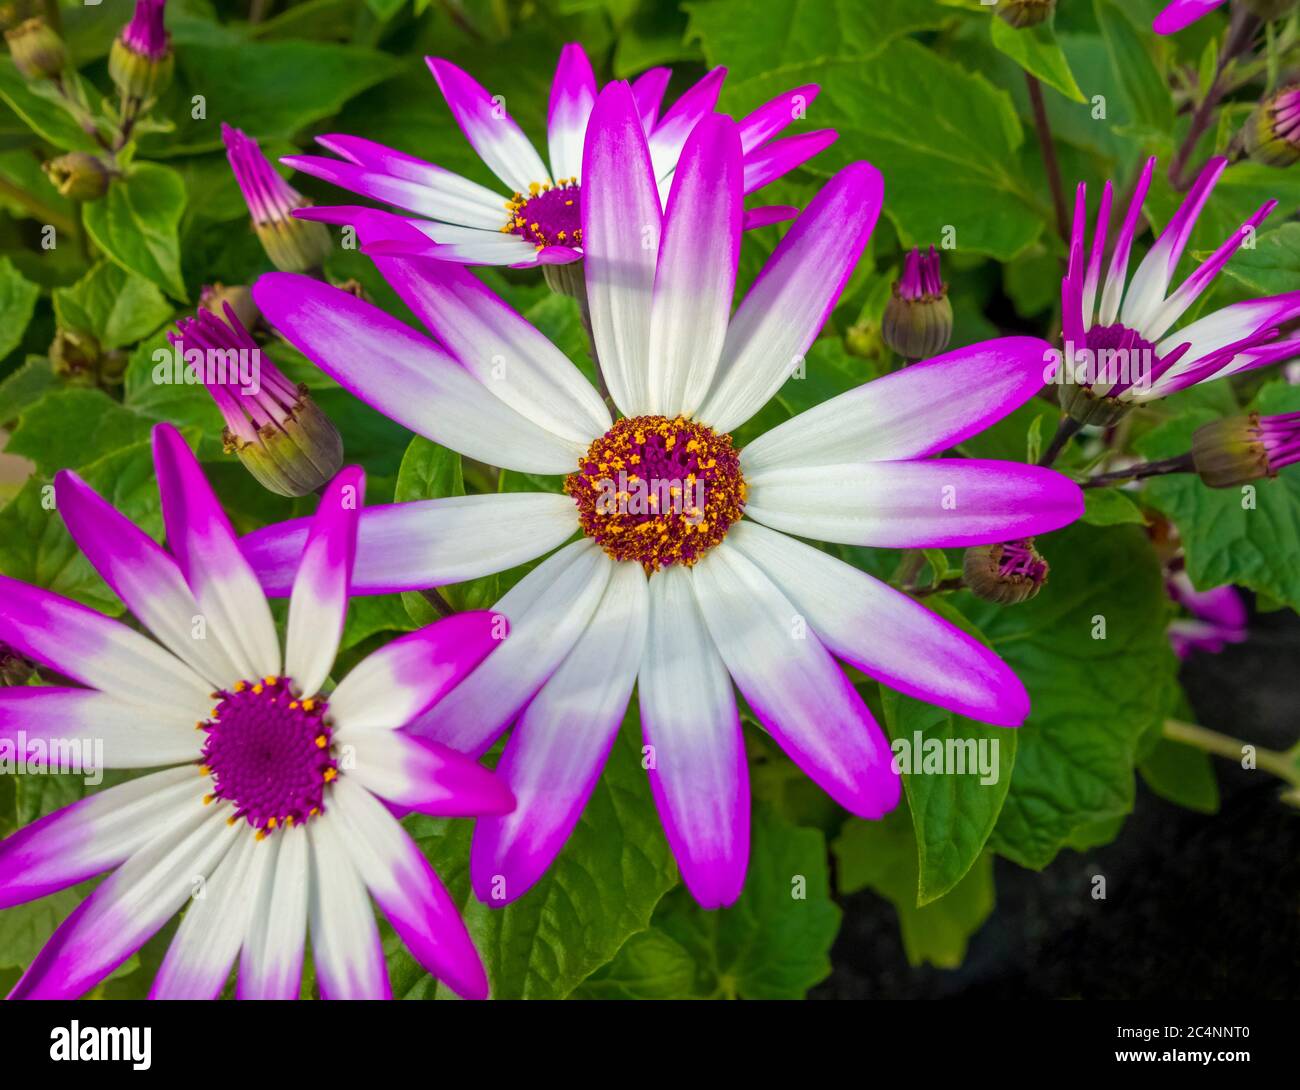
[(275, 807)]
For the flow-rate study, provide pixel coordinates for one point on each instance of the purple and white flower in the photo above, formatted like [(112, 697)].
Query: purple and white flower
[(1121, 344), (538, 218), (269, 819), (683, 597), (1218, 617)]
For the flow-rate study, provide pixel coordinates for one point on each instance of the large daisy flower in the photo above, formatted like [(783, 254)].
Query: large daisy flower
[(703, 586), (538, 217), (271, 816), (1136, 350)]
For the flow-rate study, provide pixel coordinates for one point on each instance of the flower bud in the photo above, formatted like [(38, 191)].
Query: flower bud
[(1025, 13), (292, 244), (1272, 134), (79, 176), (37, 51), (1086, 407), (14, 669), (279, 433), (918, 317), (141, 60), (215, 297), (1008, 573), (75, 357), (1240, 449)]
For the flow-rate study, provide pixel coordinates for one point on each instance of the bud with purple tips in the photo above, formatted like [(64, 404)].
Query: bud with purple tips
[(1240, 449), (141, 61), (1007, 574), (918, 317), (284, 440), (1272, 134), (292, 244)]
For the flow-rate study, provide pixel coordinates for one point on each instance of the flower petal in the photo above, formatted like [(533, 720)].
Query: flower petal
[(405, 376), (423, 775), (207, 942), (771, 161), (776, 115), (270, 963), (698, 773), (913, 413), (495, 344), (793, 295), (427, 543), (92, 730), (620, 238), (548, 610), (793, 685), (648, 93), (345, 944), (205, 547), (492, 132), (945, 503), (128, 907), (96, 833), (560, 744), (1183, 13), (318, 605), (97, 651), (669, 136), (696, 275), (921, 654), (573, 94), (141, 574), (401, 880), (405, 677)]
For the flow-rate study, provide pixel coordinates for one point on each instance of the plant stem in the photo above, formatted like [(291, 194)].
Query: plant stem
[(1241, 34), (1180, 464), (955, 583), (909, 568), (1044, 129), (1065, 431), (440, 604), (1281, 765)]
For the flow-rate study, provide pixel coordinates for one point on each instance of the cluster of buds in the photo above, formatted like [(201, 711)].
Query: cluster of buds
[(1240, 449), (37, 51), (1272, 135), (1007, 574), (1025, 13), (79, 176), (141, 61), (918, 317), (292, 244), (275, 428)]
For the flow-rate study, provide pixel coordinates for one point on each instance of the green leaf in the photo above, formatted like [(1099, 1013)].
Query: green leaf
[(751, 37), (773, 943), (955, 800), (24, 387), (1249, 535), (1272, 266), (17, 301), (42, 114), (601, 889), (1110, 507), (25, 928), (948, 143), (36, 547), (116, 306), (1037, 51), (1142, 80), (102, 426), (882, 855), (282, 88), (136, 224), (1182, 775), (1091, 649)]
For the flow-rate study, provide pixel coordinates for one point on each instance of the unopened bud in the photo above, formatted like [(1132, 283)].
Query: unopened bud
[(1008, 573), (1086, 407), (79, 176), (918, 317), (1025, 13), (1272, 133), (214, 298), (37, 51), (141, 61), (14, 669), (75, 357), (1240, 449)]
